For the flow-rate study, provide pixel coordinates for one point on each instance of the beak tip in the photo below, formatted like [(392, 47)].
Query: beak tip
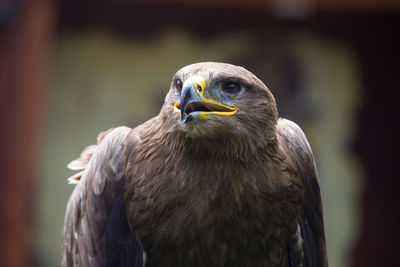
[(183, 116)]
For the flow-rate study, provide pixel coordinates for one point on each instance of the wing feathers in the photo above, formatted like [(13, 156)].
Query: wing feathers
[(311, 220), (84, 158), (96, 230), (74, 179)]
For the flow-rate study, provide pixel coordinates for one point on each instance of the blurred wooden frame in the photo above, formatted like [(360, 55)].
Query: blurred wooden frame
[(24, 41)]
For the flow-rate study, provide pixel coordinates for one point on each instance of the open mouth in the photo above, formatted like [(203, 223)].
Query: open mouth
[(206, 108)]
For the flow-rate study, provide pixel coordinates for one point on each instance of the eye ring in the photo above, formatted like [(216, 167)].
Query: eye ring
[(231, 87), (178, 84)]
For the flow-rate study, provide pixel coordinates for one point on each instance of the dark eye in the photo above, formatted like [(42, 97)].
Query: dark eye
[(178, 84), (231, 87)]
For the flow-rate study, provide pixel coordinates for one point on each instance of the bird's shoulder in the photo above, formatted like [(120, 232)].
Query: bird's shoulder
[(292, 137), (107, 143), (294, 145)]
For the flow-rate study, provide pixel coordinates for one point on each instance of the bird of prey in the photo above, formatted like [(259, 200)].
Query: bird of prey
[(216, 179)]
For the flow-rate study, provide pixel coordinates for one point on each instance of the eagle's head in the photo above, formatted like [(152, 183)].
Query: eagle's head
[(218, 100)]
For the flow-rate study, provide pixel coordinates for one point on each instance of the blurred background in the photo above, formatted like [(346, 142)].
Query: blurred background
[(70, 69)]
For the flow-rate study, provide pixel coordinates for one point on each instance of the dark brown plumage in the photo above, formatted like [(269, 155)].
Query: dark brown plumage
[(216, 179)]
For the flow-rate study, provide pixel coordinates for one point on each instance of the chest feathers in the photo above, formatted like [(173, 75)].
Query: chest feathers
[(183, 205)]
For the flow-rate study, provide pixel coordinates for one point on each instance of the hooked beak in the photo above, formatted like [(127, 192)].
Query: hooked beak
[(193, 105)]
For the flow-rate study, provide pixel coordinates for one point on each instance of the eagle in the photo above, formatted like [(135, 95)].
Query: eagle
[(215, 179)]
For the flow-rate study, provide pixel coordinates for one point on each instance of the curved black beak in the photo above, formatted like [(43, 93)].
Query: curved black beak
[(188, 95)]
